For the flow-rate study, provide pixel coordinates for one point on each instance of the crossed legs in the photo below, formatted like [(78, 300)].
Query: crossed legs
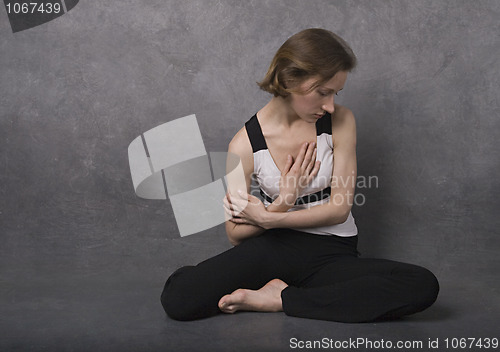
[(268, 274)]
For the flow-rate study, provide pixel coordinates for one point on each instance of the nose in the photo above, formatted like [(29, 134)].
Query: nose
[(329, 105)]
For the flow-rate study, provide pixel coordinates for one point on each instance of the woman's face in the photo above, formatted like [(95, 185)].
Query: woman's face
[(312, 105)]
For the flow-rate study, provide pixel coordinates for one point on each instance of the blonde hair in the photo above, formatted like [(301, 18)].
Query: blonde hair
[(310, 53)]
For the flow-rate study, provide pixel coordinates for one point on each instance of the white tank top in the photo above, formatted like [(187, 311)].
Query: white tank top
[(317, 192)]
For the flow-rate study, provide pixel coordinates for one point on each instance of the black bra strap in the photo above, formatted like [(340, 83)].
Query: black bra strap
[(255, 134), (313, 197), (324, 125)]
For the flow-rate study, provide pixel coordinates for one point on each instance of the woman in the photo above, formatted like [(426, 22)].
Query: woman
[(296, 251)]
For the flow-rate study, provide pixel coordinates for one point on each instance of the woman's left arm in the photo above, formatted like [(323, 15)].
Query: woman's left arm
[(343, 184)]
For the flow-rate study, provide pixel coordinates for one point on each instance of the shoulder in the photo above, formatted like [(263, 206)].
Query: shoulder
[(342, 116), (241, 146), (343, 126)]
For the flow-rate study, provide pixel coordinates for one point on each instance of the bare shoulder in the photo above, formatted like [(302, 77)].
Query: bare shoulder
[(343, 125), (241, 146), (342, 116)]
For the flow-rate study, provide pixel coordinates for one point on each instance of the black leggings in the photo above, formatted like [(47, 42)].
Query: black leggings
[(326, 279)]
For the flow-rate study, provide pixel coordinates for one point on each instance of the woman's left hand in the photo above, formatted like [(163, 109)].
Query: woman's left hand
[(244, 208)]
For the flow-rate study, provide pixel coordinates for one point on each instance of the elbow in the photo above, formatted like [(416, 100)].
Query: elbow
[(340, 215), (344, 217), (338, 219), (344, 214), (234, 243), (230, 234), (233, 240)]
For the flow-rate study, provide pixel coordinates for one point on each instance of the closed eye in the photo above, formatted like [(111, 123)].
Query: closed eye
[(324, 94)]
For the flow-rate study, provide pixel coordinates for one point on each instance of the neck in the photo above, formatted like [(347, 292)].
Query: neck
[(279, 113)]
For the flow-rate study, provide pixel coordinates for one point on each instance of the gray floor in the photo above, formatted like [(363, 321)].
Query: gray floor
[(113, 311)]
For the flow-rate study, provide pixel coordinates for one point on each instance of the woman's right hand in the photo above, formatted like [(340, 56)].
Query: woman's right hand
[(297, 174)]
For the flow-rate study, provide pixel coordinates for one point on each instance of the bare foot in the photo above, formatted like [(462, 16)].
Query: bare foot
[(266, 299)]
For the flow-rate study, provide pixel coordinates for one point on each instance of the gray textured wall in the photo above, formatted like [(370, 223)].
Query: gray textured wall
[(76, 91)]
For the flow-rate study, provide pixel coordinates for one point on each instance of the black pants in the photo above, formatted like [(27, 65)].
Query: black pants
[(326, 279)]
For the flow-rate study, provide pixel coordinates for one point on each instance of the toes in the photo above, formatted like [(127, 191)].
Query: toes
[(232, 303), (225, 306), (223, 302), (229, 309)]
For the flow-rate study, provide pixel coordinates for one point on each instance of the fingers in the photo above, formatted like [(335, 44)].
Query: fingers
[(312, 162), (307, 154), (296, 175), (314, 171), (227, 206), (232, 215), (288, 165), (302, 154), (234, 205), (238, 220), (310, 156), (312, 168)]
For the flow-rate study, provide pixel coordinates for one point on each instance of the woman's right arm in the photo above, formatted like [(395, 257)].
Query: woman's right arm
[(240, 150)]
